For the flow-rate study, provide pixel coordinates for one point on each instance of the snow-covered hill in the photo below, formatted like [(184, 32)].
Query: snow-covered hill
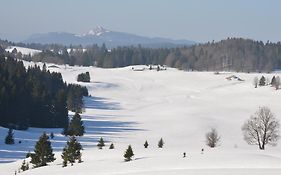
[(23, 50), (129, 107)]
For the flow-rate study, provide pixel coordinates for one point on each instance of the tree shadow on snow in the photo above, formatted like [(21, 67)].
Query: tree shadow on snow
[(100, 103), (107, 126)]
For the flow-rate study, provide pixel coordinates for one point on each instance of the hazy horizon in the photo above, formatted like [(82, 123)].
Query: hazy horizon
[(196, 20)]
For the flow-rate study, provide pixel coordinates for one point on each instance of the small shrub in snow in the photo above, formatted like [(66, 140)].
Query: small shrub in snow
[(101, 143), (262, 81), (256, 82), (111, 146), (160, 143), (212, 138), (277, 83), (24, 166), (145, 144)]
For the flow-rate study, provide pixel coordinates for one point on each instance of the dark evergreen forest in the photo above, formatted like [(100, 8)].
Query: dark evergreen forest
[(35, 97)]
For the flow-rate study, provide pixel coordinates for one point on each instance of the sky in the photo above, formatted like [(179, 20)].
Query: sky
[(197, 20)]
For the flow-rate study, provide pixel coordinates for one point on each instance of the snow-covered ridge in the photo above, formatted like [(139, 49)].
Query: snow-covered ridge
[(23, 50)]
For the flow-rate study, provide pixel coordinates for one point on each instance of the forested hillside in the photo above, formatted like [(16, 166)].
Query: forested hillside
[(35, 97), (235, 54)]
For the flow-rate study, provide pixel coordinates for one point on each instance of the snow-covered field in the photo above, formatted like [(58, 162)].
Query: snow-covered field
[(129, 107)]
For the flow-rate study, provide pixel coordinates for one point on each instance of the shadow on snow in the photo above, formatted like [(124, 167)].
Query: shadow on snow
[(95, 126)]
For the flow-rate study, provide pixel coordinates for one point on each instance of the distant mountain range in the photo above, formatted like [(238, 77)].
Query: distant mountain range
[(101, 35)]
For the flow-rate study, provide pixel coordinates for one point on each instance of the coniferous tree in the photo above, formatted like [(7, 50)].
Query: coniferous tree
[(277, 83), (43, 152), (129, 154), (101, 143), (111, 146), (262, 81), (160, 143), (72, 152), (76, 127), (145, 144), (52, 135), (10, 137), (273, 81), (24, 166), (84, 77)]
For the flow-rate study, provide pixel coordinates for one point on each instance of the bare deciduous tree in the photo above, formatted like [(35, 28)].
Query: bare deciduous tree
[(262, 128), (212, 138), (256, 82)]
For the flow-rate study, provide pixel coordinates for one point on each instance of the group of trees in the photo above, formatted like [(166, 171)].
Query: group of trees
[(43, 153), (232, 54), (275, 82), (41, 98), (84, 77), (260, 129)]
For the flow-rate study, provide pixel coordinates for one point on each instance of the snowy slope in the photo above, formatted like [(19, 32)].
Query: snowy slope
[(23, 50), (129, 107)]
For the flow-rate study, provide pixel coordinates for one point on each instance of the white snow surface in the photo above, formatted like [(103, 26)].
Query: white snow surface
[(129, 107), (23, 50)]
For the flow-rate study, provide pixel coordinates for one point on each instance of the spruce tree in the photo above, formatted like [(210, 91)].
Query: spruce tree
[(43, 152), (24, 166), (145, 144), (262, 81), (101, 143), (10, 137), (160, 143), (75, 127), (111, 146), (273, 81), (72, 152), (128, 154)]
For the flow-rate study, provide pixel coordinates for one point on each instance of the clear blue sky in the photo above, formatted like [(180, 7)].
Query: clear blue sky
[(198, 20)]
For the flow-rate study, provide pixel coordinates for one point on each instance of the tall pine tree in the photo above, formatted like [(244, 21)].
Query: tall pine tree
[(72, 152), (43, 152)]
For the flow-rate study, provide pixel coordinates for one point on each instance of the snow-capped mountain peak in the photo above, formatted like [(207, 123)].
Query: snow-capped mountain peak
[(97, 31)]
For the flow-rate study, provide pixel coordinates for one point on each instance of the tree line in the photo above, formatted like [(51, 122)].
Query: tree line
[(232, 54), (35, 97)]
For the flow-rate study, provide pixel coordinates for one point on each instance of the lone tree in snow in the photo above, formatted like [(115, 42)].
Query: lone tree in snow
[(277, 83), (145, 144), (128, 154), (111, 146), (273, 81), (101, 143), (24, 166), (256, 82), (10, 137), (71, 152), (262, 128), (43, 152), (262, 81), (160, 143), (212, 138)]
